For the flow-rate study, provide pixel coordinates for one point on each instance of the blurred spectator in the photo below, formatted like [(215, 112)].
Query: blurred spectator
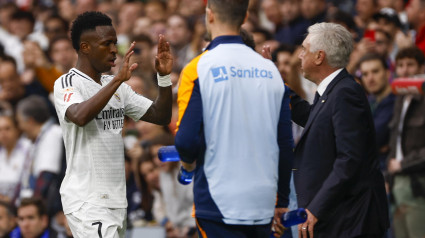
[(179, 33), (148, 178), (178, 198), (156, 28), (55, 26), (6, 38), (61, 54), (85, 6), (6, 11), (44, 173), (410, 62), (141, 26), (416, 17), (344, 19), (143, 57), (13, 154), (11, 88), (41, 73), (387, 20), (142, 85), (33, 220), (22, 26), (128, 14), (365, 10), (273, 13), (190, 8), (156, 10), (295, 24), (8, 225), (375, 80), (282, 58), (379, 42), (134, 196), (314, 10), (66, 10), (406, 162), (261, 36)]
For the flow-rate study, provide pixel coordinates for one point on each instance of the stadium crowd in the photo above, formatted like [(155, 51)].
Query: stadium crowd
[(35, 50)]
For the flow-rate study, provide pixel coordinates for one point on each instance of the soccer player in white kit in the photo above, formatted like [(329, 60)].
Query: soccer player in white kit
[(91, 109)]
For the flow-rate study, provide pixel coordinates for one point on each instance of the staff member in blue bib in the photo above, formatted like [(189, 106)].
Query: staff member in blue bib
[(234, 130)]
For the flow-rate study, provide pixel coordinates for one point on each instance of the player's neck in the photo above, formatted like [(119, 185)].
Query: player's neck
[(223, 30), (89, 71)]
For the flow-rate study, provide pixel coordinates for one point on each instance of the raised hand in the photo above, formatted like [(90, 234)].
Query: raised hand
[(164, 58), (126, 69)]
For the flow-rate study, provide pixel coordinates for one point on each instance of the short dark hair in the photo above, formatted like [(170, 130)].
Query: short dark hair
[(34, 107), (343, 17), (10, 59), (56, 39), (412, 52), (87, 21), (371, 57), (142, 38), (389, 15), (34, 201), (23, 15), (62, 20), (266, 33), (232, 12), (247, 38), (282, 48), (11, 210)]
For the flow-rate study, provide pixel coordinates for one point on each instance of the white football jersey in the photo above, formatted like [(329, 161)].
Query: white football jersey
[(95, 152)]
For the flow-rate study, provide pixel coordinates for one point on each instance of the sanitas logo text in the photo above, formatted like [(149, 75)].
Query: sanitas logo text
[(250, 73)]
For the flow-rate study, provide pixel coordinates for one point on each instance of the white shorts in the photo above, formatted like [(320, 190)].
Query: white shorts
[(95, 221)]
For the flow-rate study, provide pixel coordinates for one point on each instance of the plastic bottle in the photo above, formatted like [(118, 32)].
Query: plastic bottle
[(292, 218), (170, 154), (185, 177)]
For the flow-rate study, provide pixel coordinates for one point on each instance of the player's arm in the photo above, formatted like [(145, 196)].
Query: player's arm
[(189, 139), (286, 156), (82, 113), (160, 110)]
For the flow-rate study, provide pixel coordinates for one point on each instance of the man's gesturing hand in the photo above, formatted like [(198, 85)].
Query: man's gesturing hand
[(164, 58), (126, 69)]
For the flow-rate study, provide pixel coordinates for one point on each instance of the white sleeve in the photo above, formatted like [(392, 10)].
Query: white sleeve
[(66, 93), (53, 143), (135, 104)]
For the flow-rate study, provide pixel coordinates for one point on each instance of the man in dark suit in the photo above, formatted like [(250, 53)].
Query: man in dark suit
[(336, 171)]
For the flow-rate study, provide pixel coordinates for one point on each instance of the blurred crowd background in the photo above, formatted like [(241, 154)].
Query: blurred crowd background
[(35, 50)]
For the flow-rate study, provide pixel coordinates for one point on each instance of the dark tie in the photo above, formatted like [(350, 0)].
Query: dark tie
[(316, 98)]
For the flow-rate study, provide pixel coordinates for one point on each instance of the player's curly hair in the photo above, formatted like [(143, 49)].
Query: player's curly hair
[(87, 21)]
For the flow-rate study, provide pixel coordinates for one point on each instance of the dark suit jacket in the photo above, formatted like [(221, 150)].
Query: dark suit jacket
[(412, 141), (336, 170)]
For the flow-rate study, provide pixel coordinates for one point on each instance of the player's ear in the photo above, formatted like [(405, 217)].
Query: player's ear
[(209, 15), (84, 47), (246, 17)]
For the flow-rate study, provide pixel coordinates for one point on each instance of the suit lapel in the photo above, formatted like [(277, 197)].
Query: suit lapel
[(321, 102)]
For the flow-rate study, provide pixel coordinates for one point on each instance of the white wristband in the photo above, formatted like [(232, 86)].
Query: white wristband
[(164, 81)]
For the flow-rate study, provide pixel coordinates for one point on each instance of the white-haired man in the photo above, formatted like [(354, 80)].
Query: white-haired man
[(336, 170)]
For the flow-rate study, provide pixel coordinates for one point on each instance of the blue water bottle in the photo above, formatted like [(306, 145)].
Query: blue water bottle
[(292, 218), (170, 154), (185, 177)]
